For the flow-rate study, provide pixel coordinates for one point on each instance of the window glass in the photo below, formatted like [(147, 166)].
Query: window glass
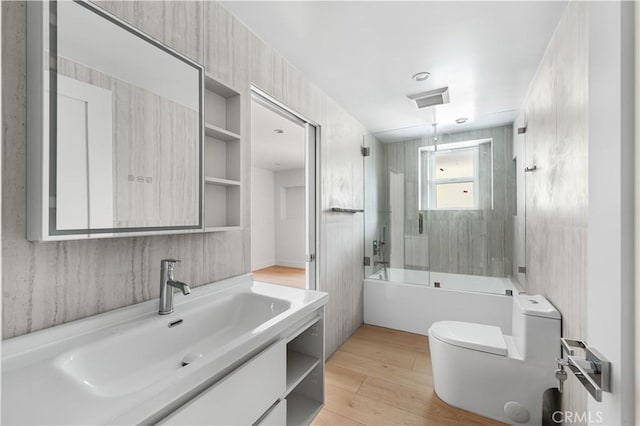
[(457, 163), (454, 195), (456, 176)]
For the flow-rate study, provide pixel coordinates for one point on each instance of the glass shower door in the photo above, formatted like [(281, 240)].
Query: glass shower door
[(375, 218), (395, 242), (439, 210)]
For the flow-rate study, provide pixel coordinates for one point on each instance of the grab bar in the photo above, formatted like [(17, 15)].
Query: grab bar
[(420, 224)]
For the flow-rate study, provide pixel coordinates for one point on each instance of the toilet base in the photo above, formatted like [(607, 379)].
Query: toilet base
[(483, 383)]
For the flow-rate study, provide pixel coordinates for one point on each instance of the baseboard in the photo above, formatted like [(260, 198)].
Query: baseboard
[(262, 265), (290, 263)]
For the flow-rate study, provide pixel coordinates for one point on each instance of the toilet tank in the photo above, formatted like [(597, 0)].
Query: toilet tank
[(536, 328)]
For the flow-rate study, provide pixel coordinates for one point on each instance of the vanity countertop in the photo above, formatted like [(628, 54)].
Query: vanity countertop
[(112, 369)]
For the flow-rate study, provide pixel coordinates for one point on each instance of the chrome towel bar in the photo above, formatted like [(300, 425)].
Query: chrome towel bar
[(592, 369), (341, 210)]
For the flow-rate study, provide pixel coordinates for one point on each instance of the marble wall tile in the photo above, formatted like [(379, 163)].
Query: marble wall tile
[(342, 278), (176, 23), (556, 194)]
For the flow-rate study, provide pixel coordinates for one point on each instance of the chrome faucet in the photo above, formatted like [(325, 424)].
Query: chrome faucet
[(167, 284)]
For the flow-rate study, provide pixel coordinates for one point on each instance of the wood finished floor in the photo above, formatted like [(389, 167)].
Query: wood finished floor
[(383, 377), (283, 275)]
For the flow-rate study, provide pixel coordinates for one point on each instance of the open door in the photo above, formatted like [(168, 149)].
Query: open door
[(283, 194)]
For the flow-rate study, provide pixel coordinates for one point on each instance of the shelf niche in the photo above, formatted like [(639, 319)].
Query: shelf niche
[(222, 157)]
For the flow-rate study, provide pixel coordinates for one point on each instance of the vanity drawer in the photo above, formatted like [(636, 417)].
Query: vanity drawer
[(241, 397)]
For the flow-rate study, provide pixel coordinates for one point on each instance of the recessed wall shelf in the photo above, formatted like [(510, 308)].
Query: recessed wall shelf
[(218, 181), (219, 133), (222, 157)]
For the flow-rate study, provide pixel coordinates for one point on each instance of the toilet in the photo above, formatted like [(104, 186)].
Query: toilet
[(478, 368)]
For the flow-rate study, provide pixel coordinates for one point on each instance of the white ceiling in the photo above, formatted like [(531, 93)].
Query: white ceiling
[(364, 53), (274, 151)]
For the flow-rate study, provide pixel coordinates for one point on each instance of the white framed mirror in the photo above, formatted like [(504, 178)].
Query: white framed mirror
[(115, 128)]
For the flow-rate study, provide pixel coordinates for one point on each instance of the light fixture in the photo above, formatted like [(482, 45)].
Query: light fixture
[(422, 76), (278, 131), (461, 120)]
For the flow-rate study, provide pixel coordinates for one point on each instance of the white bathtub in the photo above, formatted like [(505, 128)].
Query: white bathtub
[(409, 300)]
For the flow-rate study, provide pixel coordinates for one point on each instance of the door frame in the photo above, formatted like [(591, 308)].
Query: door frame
[(636, 312), (610, 265), (312, 204)]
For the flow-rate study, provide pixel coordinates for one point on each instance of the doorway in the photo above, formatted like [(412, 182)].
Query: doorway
[(283, 194)]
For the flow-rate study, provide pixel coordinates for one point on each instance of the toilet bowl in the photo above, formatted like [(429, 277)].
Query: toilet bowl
[(478, 368)]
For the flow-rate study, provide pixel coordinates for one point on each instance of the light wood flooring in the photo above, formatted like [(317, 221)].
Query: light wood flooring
[(283, 275), (383, 377)]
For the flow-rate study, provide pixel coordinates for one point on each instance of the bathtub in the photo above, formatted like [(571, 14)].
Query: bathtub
[(411, 300)]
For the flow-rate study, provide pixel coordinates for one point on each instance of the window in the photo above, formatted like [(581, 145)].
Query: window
[(450, 175)]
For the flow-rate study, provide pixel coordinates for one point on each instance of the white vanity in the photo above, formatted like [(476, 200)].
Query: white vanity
[(232, 352)]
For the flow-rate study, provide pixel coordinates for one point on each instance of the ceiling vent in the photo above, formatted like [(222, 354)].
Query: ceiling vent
[(432, 97)]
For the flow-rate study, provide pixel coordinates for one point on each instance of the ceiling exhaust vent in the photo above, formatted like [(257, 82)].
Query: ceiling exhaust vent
[(432, 97)]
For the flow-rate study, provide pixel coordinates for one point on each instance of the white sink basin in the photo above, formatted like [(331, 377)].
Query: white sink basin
[(134, 358), (126, 366)]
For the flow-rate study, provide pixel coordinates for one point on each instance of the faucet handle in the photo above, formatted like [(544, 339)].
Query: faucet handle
[(170, 263)]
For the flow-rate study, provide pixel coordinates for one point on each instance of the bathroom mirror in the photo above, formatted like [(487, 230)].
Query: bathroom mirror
[(118, 151)]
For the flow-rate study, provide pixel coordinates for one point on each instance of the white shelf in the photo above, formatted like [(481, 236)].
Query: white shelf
[(218, 181), (301, 410), (211, 84), (222, 206), (298, 367), (220, 133)]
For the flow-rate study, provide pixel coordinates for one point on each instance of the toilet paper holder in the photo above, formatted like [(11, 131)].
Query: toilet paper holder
[(591, 368)]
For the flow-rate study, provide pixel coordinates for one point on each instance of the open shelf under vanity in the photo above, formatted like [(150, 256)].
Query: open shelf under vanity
[(305, 374)]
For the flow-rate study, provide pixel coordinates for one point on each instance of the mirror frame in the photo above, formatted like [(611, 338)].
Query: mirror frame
[(41, 124)]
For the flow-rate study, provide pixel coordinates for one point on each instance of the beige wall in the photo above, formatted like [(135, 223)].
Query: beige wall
[(51, 283), (556, 141)]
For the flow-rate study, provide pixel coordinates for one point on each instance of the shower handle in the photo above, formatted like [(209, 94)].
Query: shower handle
[(420, 224)]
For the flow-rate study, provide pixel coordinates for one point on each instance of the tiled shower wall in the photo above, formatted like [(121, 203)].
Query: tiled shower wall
[(51, 283), (556, 141)]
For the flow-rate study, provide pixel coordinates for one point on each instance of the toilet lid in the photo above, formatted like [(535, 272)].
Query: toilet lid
[(479, 337)]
